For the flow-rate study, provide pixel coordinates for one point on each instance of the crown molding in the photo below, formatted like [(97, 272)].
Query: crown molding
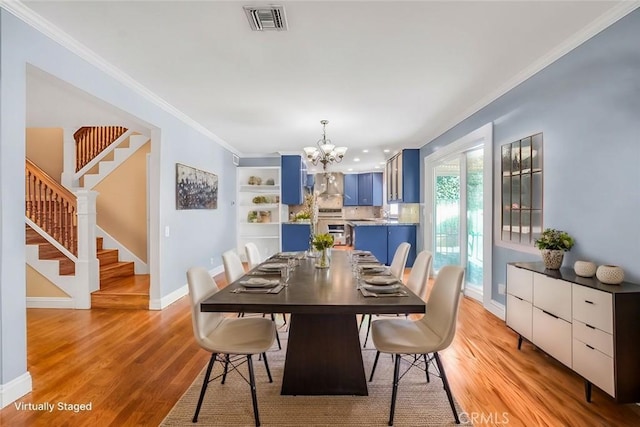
[(29, 17), (589, 31)]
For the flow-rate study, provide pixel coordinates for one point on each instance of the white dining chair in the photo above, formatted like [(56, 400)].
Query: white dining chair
[(417, 282), (399, 261), (253, 255), (222, 335), (424, 337), (233, 269)]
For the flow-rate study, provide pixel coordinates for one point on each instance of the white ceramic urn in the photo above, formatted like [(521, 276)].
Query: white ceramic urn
[(584, 268), (610, 274)]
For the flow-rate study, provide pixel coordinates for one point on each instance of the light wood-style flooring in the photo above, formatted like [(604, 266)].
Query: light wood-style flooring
[(133, 365)]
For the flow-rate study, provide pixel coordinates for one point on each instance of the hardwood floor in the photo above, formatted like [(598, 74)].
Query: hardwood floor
[(133, 365)]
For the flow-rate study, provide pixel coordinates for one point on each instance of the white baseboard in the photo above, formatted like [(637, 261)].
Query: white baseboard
[(167, 300), (496, 309), (50, 302), (15, 389)]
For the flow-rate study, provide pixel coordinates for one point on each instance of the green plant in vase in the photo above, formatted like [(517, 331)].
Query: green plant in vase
[(323, 243), (553, 244)]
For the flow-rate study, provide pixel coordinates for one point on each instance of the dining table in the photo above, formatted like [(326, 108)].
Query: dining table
[(323, 354)]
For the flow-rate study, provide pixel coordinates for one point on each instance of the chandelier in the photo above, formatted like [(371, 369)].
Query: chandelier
[(325, 152)]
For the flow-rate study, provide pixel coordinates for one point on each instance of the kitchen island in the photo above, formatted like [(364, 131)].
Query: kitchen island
[(382, 237)]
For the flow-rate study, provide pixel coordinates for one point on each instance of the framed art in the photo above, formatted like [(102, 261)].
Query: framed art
[(195, 188)]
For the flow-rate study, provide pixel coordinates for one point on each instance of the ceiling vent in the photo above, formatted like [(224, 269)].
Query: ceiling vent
[(266, 18)]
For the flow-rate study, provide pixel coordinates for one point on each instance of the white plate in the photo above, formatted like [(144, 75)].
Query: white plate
[(374, 269), (381, 280), (256, 282), (272, 266), (387, 289), (288, 254)]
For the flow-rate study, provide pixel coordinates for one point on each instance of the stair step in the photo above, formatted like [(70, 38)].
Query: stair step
[(33, 238), (99, 241), (46, 251), (107, 256), (112, 272), (126, 293)]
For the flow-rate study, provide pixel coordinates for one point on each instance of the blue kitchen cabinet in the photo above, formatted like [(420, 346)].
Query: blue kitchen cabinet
[(397, 234), (295, 237), (350, 190), (372, 238), (293, 171), (370, 189), (403, 177)]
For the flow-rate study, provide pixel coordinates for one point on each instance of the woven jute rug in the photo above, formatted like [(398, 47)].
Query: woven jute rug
[(419, 403)]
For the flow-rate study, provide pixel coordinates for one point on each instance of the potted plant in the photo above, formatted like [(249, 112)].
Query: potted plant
[(323, 243), (553, 244)]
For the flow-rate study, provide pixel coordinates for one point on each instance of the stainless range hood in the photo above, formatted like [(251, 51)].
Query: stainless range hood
[(330, 184)]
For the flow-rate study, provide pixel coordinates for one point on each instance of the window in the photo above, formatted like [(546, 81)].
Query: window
[(522, 190)]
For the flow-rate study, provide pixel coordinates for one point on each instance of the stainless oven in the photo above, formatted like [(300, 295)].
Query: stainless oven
[(331, 220)]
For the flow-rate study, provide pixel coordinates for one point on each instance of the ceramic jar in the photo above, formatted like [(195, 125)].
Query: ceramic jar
[(584, 268), (552, 258), (610, 274)]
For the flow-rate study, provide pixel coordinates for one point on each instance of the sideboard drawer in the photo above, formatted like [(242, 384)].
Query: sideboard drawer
[(593, 307), (552, 295), (594, 366), (519, 314), (593, 336), (520, 283), (553, 335)]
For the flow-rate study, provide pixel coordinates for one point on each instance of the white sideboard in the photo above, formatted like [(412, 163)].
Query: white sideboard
[(592, 328)]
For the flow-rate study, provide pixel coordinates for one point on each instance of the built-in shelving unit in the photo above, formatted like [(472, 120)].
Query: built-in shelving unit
[(259, 208)]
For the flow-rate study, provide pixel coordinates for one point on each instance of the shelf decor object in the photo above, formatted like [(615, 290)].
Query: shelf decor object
[(195, 188), (584, 268), (553, 244), (610, 274)]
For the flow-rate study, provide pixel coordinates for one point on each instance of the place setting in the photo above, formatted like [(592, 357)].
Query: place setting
[(382, 286), (260, 285)]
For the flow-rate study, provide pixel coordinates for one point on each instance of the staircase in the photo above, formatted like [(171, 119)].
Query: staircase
[(51, 210), (119, 286)]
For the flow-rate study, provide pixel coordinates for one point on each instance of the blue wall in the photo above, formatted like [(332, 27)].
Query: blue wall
[(587, 104)]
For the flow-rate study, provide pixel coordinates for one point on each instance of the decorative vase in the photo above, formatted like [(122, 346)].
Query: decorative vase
[(324, 260), (584, 268), (610, 274), (552, 258)]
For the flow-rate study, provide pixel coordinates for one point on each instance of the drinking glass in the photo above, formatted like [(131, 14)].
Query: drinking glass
[(285, 272)]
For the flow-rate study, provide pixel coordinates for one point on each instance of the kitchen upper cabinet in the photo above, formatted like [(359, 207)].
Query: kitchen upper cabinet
[(350, 190), (403, 177), (294, 178), (370, 189)]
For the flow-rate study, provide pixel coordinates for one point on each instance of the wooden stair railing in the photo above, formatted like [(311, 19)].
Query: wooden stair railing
[(91, 141), (51, 206)]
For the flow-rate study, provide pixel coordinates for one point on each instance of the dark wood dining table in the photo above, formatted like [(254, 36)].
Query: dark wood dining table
[(323, 356)]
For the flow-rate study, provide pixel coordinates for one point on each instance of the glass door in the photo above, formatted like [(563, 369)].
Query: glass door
[(458, 216)]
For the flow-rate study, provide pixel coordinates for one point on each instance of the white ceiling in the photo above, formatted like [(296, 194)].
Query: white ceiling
[(386, 74)]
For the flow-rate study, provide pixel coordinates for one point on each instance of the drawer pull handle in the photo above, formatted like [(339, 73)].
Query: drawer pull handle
[(518, 298), (588, 302), (592, 348), (589, 326), (552, 315)]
